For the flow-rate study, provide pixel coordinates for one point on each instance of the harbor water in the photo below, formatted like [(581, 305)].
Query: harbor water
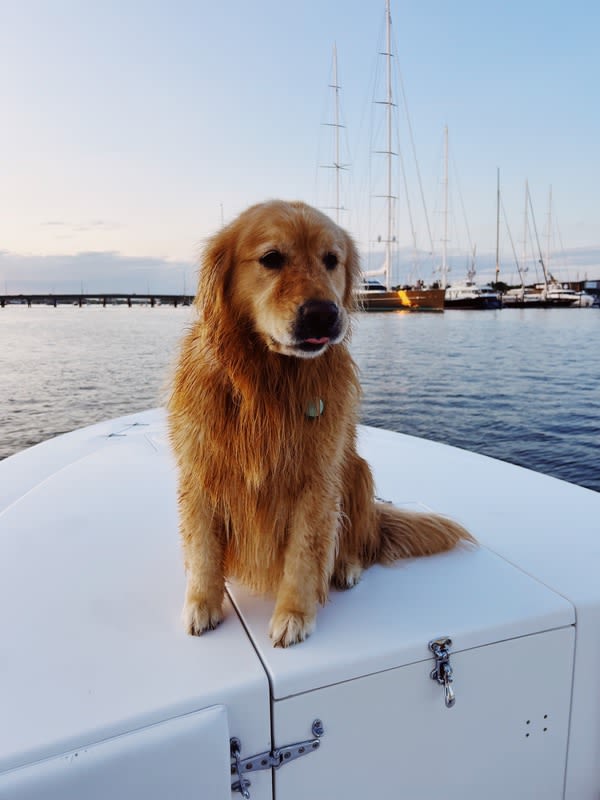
[(522, 385)]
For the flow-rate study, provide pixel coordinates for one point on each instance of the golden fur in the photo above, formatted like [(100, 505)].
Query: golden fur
[(271, 491)]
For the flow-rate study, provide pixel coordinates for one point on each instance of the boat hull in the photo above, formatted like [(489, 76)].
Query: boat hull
[(403, 300), (522, 301), (563, 302), (423, 299), (548, 302), (474, 302)]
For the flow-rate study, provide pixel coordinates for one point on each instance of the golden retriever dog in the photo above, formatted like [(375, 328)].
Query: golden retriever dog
[(262, 419)]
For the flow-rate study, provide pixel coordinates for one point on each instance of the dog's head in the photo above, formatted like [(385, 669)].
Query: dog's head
[(285, 271)]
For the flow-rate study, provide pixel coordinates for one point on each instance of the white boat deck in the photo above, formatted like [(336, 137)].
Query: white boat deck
[(91, 586)]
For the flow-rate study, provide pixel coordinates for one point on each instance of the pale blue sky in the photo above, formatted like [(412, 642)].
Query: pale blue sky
[(127, 124)]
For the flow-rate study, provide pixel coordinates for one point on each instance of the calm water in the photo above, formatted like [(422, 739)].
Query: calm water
[(520, 385)]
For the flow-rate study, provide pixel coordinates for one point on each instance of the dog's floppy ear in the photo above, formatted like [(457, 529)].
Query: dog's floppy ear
[(353, 273), (216, 266)]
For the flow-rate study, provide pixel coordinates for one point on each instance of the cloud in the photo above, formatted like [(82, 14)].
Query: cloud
[(94, 272), (91, 225)]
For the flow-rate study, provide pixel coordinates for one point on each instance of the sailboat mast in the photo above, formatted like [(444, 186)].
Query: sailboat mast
[(537, 240), (525, 228), (549, 235), (337, 125), (336, 88), (498, 225), (388, 54), (445, 239)]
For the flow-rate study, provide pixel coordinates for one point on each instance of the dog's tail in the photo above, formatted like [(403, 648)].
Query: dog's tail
[(406, 534), (381, 533)]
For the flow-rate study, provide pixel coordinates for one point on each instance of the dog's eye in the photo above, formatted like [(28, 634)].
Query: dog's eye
[(330, 260), (272, 260)]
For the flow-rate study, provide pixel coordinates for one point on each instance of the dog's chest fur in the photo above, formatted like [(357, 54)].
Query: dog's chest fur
[(271, 452), (294, 428)]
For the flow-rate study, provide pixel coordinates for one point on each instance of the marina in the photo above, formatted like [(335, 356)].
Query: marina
[(380, 290), (373, 297)]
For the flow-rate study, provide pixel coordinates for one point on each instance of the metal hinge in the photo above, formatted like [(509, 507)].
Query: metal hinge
[(442, 672), (269, 760)]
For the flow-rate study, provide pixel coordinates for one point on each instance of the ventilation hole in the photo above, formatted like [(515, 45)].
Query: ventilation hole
[(528, 722), (545, 729), (545, 716), (526, 735)]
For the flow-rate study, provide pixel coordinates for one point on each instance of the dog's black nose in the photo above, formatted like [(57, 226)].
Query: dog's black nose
[(318, 318)]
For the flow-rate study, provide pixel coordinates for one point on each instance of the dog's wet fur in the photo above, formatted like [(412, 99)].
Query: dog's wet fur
[(262, 419)]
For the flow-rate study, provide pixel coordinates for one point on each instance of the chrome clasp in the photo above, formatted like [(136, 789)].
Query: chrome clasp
[(442, 672)]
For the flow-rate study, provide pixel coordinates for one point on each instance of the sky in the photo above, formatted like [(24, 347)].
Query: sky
[(131, 130)]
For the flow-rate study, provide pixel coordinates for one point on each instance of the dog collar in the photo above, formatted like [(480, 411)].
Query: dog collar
[(314, 410)]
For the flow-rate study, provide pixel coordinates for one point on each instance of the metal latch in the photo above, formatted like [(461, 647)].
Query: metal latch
[(269, 760), (442, 672)]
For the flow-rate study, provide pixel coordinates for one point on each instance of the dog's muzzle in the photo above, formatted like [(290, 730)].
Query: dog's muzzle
[(318, 323)]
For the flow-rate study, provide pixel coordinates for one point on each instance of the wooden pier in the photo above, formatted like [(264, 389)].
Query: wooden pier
[(102, 299)]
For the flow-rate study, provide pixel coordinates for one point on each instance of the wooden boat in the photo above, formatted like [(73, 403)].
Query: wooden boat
[(382, 296), (373, 296), (423, 299), (469, 674)]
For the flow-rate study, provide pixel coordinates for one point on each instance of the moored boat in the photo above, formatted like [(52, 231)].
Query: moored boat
[(423, 299), (551, 295), (376, 296), (373, 296), (462, 294), (522, 297), (469, 294), (555, 294)]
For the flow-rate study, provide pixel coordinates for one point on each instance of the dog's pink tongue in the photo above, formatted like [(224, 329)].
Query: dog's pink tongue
[(322, 340)]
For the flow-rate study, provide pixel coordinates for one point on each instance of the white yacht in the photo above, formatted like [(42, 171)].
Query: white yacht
[(522, 297), (469, 294), (557, 294)]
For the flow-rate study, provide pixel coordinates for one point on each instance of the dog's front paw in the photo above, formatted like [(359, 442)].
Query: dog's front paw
[(288, 628), (199, 616)]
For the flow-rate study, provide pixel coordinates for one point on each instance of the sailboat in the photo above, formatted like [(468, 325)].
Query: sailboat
[(555, 293), (463, 294), (522, 296), (372, 295), (376, 295), (551, 293)]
